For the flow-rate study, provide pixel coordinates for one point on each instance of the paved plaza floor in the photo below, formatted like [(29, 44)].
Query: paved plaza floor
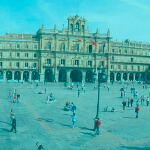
[(50, 125)]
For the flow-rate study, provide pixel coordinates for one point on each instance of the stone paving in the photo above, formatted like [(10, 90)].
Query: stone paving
[(50, 125)]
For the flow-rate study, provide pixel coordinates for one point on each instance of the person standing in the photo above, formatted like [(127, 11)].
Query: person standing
[(131, 102), (13, 124), (74, 119), (124, 104), (97, 125), (137, 111), (147, 101)]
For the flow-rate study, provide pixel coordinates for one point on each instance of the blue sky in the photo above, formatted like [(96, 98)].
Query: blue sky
[(126, 19)]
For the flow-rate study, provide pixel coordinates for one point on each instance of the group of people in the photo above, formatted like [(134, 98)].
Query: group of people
[(14, 96)]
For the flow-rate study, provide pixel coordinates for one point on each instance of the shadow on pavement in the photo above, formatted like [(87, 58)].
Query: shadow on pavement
[(129, 117), (137, 148), (5, 122), (6, 130), (85, 128), (65, 125)]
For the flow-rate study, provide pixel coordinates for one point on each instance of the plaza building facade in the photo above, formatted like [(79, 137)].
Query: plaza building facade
[(72, 53)]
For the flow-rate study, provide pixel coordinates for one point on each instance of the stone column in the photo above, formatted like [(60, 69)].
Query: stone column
[(4, 76), (13, 73), (30, 74), (127, 76), (68, 76), (115, 77), (84, 76), (121, 76), (133, 76), (21, 76)]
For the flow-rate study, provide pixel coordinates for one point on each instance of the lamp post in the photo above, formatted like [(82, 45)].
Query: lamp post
[(101, 75)]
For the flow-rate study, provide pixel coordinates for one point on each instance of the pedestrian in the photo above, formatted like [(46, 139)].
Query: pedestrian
[(128, 101), (18, 97), (74, 108), (13, 124), (137, 102), (124, 104), (74, 119), (131, 101), (137, 111), (97, 126), (147, 101), (40, 147), (45, 90), (11, 116), (108, 87), (78, 92), (121, 94)]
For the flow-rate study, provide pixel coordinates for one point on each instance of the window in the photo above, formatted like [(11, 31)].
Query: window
[(1, 54), (90, 63), (34, 55), (77, 26), (76, 62), (125, 51), (90, 48), (71, 27), (18, 54), (18, 46), (138, 68), (1, 64), (10, 45), (10, 55), (48, 61), (82, 28), (77, 47), (113, 50), (35, 46), (132, 52), (112, 58), (112, 66), (17, 64), (49, 45), (119, 51), (118, 66), (26, 64), (63, 46), (34, 65), (10, 64), (131, 59), (125, 67), (26, 54), (26, 46), (132, 67), (102, 63), (62, 61)]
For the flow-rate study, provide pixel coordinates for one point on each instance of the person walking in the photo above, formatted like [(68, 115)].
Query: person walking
[(13, 124), (74, 108), (131, 102), (137, 111), (97, 125), (74, 119), (40, 147), (11, 116), (124, 104)]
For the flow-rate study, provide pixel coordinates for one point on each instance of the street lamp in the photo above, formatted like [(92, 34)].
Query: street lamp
[(101, 77), (94, 76)]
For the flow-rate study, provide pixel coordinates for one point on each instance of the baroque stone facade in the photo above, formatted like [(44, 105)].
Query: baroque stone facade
[(72, 53)]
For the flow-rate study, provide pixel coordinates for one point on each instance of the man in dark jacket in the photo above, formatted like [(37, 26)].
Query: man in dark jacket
[(40, 147), (13, 124)]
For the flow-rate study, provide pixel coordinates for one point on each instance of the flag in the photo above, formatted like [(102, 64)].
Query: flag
[(94, 43), (49, 44), (79, 40)]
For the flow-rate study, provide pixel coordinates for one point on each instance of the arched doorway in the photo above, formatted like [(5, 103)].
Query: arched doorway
[(118, 77), (26, 75), (112, 77), (131, 76), (148, 77), (17, 75), (142, 77), (1, 75), (62, 75), (48, 75), (125, 76), (89, 76), (9, 75), (35, 75), (137, 77), (76, 76)]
